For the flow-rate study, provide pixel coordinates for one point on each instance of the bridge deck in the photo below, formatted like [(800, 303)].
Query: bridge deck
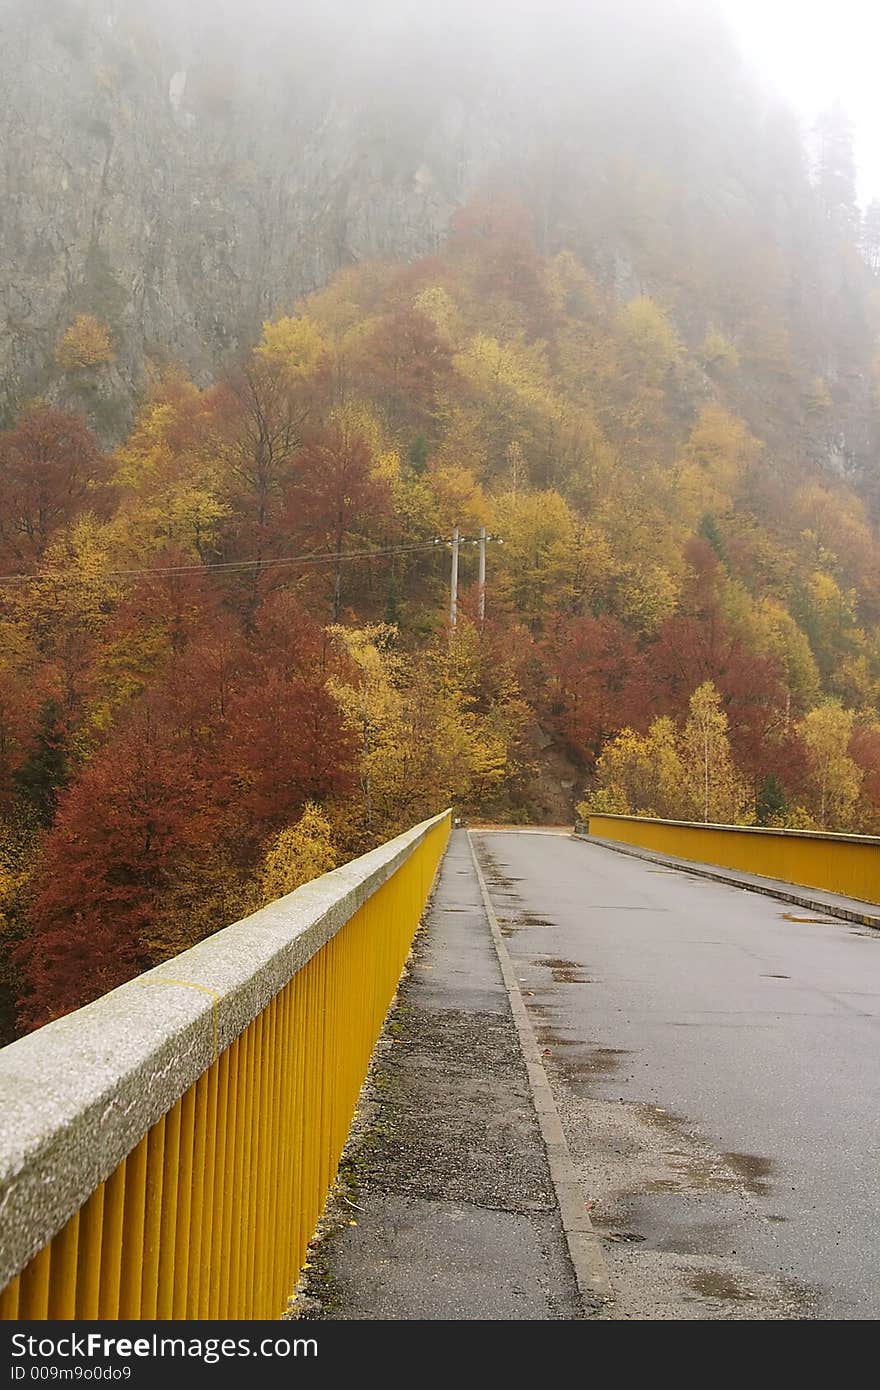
[(713, 1059)]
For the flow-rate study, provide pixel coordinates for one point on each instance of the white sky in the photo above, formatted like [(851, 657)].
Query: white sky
[(813, 51)]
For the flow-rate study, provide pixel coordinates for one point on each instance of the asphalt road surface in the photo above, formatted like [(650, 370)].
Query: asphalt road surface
[(717, 1069)]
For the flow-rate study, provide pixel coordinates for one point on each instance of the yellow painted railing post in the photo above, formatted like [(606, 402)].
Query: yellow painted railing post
[(220, 1191), (111, 1243), (34, 1290), (201, 1120), (210, 1229), (153, 1220), (62, 1273), (88, 1272), (168, 1218), (132, 1264), (183, 1233), (230, 1175), (9, 1301)]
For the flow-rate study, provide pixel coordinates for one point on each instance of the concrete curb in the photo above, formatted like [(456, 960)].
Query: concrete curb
[(584, 1246), (729, 876)]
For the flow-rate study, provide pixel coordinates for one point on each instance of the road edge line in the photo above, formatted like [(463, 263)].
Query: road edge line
[(718, 875), (584, 1246)]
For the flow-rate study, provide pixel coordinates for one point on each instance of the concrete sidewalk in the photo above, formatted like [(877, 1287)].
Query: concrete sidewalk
[(445, 1208)]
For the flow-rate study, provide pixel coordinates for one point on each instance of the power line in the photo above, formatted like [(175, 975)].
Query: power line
[(239, 566)]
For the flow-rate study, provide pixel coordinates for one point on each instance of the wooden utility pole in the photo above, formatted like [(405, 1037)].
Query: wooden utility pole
[(453, 587)]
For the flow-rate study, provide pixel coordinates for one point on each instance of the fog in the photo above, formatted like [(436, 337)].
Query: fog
[(814, 53), (809, 53)]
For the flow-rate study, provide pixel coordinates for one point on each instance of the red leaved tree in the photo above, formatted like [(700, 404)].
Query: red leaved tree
[(285, 740), (405, 365), (338, 503), (51, 469), (118, 832), (595, 683)]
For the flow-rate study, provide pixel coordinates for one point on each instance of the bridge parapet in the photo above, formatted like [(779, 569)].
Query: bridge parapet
[(167, 1150), (847, 864)]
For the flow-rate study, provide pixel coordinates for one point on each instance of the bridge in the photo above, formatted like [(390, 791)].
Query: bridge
[(631, 1073)]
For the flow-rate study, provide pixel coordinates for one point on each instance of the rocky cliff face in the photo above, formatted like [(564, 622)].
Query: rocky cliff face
[(183, 169), (181, 180)]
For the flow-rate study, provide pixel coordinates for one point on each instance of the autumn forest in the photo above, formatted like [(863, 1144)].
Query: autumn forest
[(226, 663)]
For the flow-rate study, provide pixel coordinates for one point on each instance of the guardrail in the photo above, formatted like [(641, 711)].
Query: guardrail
[(166, 1151), (848, 864)]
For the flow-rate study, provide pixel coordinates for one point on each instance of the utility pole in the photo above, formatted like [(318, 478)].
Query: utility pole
[(453, 588), (457, 541)]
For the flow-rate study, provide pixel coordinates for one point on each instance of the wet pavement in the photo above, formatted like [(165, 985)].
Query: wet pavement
[(444, 1208), (714, 1058)]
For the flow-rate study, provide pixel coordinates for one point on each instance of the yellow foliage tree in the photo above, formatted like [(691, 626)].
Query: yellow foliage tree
[(167, 476), (646, 595), (297, 342), (827, 613), (718, 353), (437, 304), (836, 529), (835, 779), (778, 634), (298, 854), (641, 773), (174, 414), (518, 366), (86, 343), (67, 607), (458, 497), (714, 790), (536, 568), (423, 743), (571, 289), (651, 346), (677, 775), (639, 511), (511, 395), (719, 454)]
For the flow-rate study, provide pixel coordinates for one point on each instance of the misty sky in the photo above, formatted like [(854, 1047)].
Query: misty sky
[(813, 51)]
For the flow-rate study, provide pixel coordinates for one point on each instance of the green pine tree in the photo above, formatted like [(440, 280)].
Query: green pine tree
[(771, 803)]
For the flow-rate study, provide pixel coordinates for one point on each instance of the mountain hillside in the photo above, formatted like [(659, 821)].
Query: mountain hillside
[(183, 175)]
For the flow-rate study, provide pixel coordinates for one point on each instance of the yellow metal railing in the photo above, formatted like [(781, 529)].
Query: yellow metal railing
[(847, 864), (210, 1212)]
